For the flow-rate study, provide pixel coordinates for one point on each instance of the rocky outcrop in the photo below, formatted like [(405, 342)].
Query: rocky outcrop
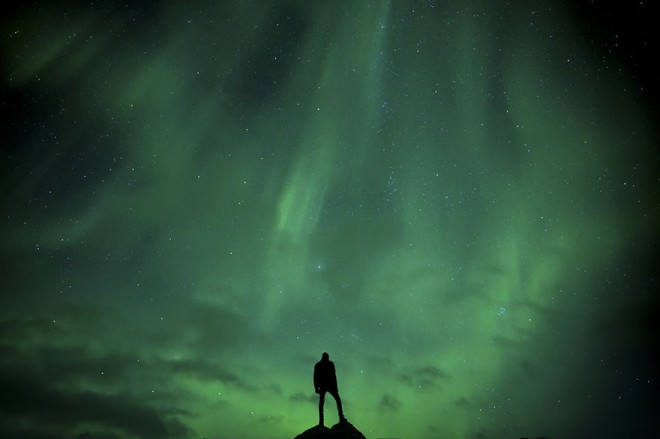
[(342, 430)]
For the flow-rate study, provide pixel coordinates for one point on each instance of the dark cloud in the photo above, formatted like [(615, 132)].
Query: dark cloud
[(271, 420), (482, 434), (463, 403), (528, 368), (422, 377), (45, 433), (205, 371), (304, 398), (9, 429), (74, 365), (34, 402), (97, 435), (276, 389), (389, 403), (66, 386), (207, 330)]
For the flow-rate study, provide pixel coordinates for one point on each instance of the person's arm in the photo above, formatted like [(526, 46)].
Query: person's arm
[(333, 376), (316, 378)]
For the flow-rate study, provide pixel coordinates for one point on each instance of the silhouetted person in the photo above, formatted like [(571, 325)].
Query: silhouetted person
[(325, 380)]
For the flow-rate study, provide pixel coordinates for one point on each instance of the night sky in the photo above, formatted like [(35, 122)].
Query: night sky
[(458, 200)]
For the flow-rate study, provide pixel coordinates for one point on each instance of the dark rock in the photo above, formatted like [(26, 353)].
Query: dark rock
[(342, 430), (345, 430), (318, 431)]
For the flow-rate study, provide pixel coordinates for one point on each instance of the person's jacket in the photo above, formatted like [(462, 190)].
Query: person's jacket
[(325, 378)]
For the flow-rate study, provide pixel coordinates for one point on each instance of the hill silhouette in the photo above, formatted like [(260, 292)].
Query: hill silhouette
[(342, 430)]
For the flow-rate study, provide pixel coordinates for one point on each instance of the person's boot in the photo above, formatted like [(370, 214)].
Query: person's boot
[(342, 419)]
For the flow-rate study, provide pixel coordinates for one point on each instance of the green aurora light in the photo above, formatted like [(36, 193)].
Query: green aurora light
[(457, 200)]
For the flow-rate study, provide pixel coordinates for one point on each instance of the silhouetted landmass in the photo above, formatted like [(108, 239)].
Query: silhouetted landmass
[(342, 430)]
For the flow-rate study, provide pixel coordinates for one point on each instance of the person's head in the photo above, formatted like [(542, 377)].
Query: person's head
[(325, 356)]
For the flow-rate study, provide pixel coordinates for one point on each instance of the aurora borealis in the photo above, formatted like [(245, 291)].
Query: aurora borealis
[(457, 200)]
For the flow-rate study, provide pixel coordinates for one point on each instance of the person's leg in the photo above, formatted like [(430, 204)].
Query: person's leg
[(335, 394), (321, 400)]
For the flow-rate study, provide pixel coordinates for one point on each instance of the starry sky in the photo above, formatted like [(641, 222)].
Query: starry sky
[(457, 200)]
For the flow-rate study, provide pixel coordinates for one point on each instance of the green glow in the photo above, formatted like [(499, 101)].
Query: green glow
[(207, 198)]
